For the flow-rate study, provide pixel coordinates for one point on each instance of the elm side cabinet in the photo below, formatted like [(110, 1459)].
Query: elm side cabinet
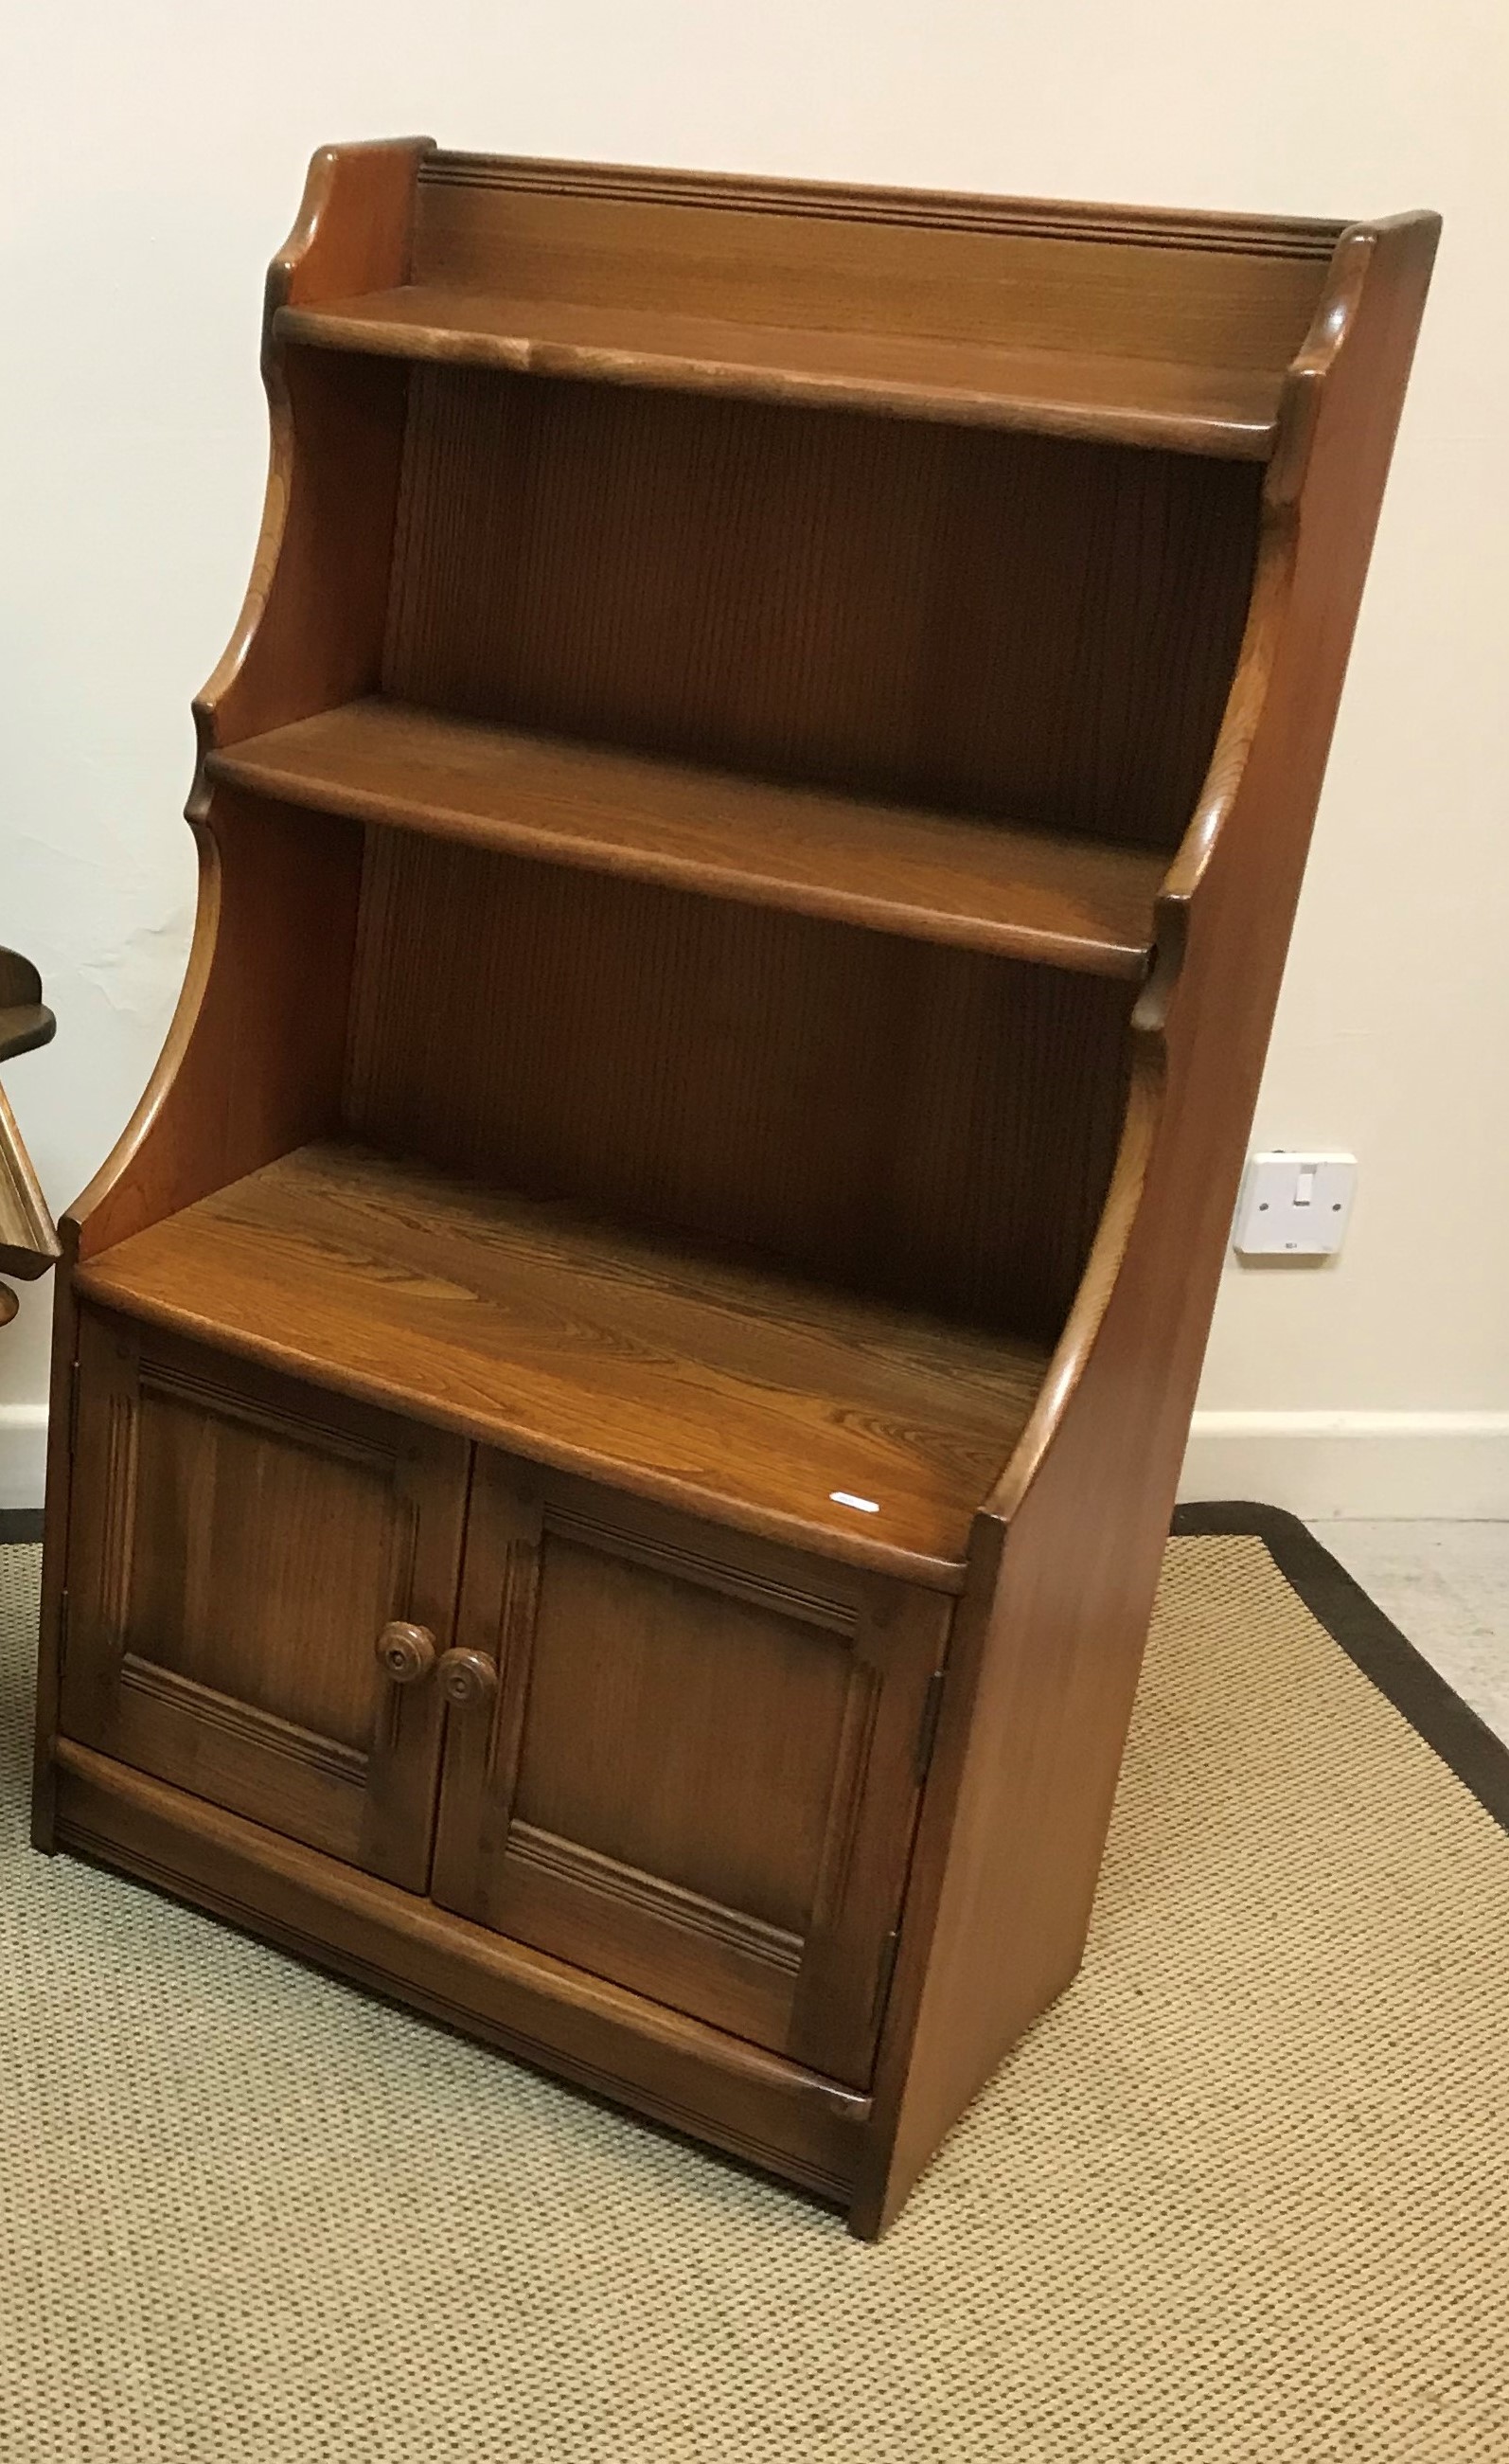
[(618, 1404)]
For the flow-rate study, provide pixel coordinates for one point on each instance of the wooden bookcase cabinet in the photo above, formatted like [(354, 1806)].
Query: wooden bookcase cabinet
[(619, 1401)]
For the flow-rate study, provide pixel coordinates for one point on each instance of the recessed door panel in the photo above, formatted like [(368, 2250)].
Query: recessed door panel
[(684, 1760), (632, 1712), (261, 1577)]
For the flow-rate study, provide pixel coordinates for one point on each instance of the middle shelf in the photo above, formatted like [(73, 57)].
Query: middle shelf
[(845, 1425), (1064, 901)]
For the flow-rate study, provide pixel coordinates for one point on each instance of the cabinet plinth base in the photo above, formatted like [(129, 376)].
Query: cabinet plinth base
[(675, 2071)]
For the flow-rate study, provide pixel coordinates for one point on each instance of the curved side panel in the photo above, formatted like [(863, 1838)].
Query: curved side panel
[(1143, 1147), (1226, 783), (231, 1090), (251, 1066), (310, 630), (94, 1223), (253, 1059), (1065, 1557), (1257, 664)]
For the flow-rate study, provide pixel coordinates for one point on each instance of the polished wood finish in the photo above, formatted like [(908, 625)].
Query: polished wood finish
[(256, 1054), (1227, 289), (669, 1370), (28, 1243), (1150, 328), (1229, 411), (616, 2043), (26, 1023), (1020, 893), (1050, 1643), (628, 1375), (994, 626), (310, 626), (406, 1652), (632, 1658), (245, 1552), (62, 1391), (932, 1127)]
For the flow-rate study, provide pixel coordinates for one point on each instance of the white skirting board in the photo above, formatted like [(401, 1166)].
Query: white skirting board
[(1373, 1464), (1370, 1466)]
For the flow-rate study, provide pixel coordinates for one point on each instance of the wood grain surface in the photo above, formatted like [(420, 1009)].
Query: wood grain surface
[(309, 632), (24, 1020), (28, 1243), (1024, 893), (255, 1055), (1195, 290), (988, 625), (1049, 1639), (932, 1126), (634, 1653), (675, 1374), (744, 883), (609, 2039), (240, 1543), (1227, 411)]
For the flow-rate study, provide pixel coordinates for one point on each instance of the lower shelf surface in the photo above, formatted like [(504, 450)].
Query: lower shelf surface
[(835, 1423)]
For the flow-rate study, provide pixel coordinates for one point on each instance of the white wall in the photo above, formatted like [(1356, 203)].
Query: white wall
[(152, 158)]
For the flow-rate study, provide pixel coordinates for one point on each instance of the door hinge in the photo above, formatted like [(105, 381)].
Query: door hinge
[(927, 1725), (883, 1975)]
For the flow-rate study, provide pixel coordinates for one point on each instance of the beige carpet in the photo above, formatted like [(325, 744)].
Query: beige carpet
[(1245, 2195)]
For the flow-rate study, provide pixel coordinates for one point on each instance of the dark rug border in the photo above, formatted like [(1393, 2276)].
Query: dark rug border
[(1371, 1641), (20, 1525)]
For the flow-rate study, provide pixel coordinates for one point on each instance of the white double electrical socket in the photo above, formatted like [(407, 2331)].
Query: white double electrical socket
[(1294, 1205)]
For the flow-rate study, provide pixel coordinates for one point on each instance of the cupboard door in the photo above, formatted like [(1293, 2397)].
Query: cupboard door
[(684, 1760), (261, 1577)]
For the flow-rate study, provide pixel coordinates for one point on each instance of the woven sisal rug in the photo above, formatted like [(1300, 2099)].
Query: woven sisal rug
[(1243, 2195)]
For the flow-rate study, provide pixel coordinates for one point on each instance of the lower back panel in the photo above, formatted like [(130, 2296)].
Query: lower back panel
[(932, 1125), (996, 623)]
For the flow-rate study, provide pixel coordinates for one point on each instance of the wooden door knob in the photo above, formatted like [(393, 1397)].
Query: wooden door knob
[(407, 1652), (467, 1677)]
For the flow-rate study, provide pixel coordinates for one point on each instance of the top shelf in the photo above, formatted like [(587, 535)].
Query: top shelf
[(1231, 413)]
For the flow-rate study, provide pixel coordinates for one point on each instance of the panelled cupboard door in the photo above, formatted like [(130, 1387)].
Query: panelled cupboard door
[(684, 1759), (261, 1577)]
